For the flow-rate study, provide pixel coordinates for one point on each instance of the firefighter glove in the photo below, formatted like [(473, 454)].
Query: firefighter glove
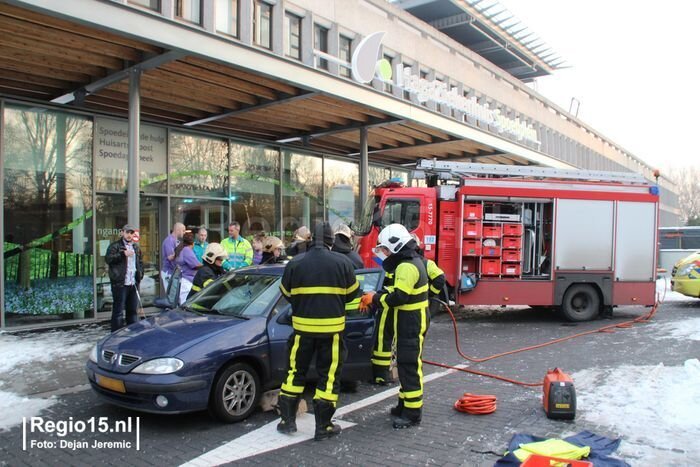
[(366, 301)]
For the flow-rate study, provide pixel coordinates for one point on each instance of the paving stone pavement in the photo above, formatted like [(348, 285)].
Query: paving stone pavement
[(445, 437)]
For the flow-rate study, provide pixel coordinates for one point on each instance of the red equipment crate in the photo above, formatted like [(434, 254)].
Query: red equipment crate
[(511, 242), (471, 248), (469, 265), (510, 269), (511, 256), (472, 229), (512, 229), (535, 460), (473, 211), (492, 231), (490, 267), (493, 251)]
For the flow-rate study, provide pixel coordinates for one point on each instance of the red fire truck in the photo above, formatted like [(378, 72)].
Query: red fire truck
[(581, 241)]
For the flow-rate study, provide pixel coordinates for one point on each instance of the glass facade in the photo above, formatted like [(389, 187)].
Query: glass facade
[(47, 214), (302, 192), (54, 242)]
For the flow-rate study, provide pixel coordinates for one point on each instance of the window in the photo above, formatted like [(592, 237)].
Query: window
[(150, 4), (302, 192), (345, 54), (47, 208), (198, 165), (342, 181), (321, 44), (227, 17), (292, 27), (402, 211), (255, 188), (262, 14), (189, 10), (241, 295)]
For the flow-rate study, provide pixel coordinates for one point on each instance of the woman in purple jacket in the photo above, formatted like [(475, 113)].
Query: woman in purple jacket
[(187, 261)]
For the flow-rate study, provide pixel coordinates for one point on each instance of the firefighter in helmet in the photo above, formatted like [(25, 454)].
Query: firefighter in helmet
[(409, 302), (212, 267), (318, 284)]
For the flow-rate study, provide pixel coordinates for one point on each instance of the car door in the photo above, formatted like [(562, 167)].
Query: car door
[(359, 332)]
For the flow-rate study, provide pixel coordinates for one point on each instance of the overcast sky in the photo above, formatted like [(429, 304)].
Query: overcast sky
[(631, 69)]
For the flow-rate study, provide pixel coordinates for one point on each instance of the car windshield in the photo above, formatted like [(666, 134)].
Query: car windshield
[(242, 295)]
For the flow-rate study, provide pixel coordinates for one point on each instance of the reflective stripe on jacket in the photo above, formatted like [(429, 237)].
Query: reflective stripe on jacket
[(318, 284)]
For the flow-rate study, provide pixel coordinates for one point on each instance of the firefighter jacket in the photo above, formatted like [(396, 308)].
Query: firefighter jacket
[(436, 277), (410, 282), (205, 276), (318, 284)]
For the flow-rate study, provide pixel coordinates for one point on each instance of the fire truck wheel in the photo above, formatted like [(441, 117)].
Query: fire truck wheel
[(581, 303)]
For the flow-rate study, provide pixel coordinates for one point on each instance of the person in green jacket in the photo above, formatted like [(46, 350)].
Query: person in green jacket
[(239, 250)]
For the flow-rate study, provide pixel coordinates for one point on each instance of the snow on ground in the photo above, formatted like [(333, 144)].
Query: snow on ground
[(655, 409), (14, 407), (669, 295), (687, 329), (40, 347), (29, 355)]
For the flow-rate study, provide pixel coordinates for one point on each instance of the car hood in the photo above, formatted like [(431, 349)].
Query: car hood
[(168, 333)]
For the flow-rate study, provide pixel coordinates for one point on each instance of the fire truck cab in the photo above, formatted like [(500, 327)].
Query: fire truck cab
[(581, 241)]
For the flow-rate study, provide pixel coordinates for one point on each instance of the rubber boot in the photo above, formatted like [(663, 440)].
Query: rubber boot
[(323, 411), (408, 418), (381, 376), (288, 411), (396, 411)]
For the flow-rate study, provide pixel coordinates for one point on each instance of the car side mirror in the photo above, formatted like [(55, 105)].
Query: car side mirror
[(285, 317), (162, 303)]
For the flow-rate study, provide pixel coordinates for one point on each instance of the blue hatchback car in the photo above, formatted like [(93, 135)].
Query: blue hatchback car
[(220, 350)]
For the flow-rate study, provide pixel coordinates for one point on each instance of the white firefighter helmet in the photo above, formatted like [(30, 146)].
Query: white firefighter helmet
[(213, 251), (393, 237)]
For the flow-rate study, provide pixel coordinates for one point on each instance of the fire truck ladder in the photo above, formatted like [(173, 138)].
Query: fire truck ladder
[(448, 170)]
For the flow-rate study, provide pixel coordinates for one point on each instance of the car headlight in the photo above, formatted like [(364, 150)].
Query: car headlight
[(93, 354), (159, 366)]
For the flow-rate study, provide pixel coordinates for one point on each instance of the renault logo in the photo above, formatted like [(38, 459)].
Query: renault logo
[(113, 360)]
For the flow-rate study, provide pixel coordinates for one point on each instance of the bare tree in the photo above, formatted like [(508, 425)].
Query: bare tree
[(687, 180)]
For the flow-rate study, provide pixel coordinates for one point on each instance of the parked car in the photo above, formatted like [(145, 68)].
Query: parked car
[(220, 350), (685, 276)]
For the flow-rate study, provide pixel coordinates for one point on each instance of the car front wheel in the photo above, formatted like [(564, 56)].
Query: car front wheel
[(236, 393)]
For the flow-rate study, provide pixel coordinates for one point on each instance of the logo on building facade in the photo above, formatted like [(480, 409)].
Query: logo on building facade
[(366, 66)]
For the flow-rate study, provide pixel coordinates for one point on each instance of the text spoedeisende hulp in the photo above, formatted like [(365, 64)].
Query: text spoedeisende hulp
[(118, 139)]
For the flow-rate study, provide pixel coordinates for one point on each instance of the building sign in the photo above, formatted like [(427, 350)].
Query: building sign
[(365, 67), (112, 146)]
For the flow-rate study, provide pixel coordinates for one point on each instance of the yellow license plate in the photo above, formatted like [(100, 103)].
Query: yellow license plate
[(110, 383)]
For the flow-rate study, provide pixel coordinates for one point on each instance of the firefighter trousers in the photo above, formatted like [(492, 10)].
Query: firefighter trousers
[(330, 354), (381, 353), (410, 328)]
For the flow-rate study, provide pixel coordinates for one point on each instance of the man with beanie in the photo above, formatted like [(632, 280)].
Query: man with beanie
[(343, 245), (318, 284), (123, 258)]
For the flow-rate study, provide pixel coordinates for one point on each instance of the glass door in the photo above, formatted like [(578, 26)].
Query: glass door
[(111, 216)]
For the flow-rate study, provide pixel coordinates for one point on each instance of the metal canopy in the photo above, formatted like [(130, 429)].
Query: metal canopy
[(491, 31)]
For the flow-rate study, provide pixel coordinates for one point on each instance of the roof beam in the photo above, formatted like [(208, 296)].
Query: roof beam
[(452, 21), (91, 88), (405, 146), (371, 123), (252, 107)]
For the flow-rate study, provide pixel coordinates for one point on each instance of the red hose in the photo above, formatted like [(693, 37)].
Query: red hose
[(608, 328), (475, 404)]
